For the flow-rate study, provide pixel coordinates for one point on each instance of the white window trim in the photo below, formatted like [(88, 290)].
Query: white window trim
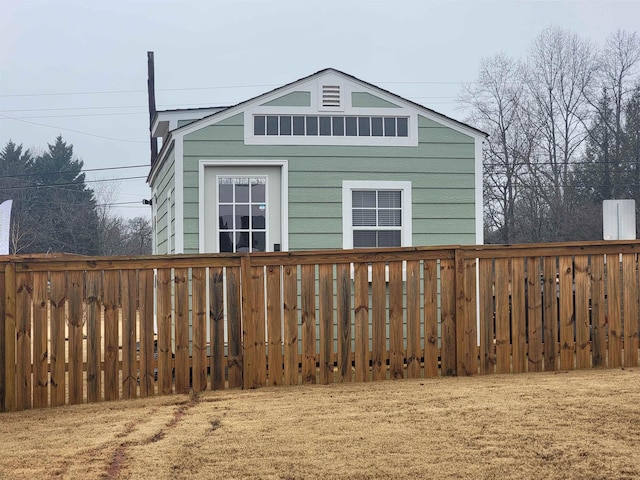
[(284, 194), (349, 185)]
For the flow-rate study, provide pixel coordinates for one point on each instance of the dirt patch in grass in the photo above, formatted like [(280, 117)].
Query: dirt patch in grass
[(547, 425)]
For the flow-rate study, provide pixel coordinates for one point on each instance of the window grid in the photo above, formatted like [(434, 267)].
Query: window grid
[(330, 126), (242, 214), (376, 218)]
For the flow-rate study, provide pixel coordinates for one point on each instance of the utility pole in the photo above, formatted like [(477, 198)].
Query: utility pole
[(151, 89)]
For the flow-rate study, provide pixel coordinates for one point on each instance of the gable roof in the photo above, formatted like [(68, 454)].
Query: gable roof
[(319, 73), (220, 113)]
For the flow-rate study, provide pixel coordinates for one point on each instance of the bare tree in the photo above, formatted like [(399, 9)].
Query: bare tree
[(495, 103), (559, 69)]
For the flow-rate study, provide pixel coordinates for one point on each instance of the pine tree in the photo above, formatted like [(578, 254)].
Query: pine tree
[(66, 211)]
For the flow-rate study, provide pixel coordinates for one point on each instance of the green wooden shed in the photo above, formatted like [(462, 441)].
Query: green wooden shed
[(327, 161)]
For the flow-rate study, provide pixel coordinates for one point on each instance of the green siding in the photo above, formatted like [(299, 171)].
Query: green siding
[(293, 99), (165, 182), (366, 100), (441, 169), (182, 123)]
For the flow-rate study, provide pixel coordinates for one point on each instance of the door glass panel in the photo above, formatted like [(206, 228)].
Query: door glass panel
[(259, 242), (258, 217), (226, 242), (257, 192), (242, 214), (226, 217)]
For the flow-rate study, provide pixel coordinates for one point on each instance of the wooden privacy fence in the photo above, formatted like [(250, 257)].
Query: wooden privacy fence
[(80, 329)]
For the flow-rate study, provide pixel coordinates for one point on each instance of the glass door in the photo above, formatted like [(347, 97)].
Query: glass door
[(242, 213)]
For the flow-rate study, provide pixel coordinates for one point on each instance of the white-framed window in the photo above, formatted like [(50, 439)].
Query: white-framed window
[(331, 126), (376, 214)]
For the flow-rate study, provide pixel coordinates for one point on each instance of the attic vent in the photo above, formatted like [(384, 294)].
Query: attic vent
[(331, 96)]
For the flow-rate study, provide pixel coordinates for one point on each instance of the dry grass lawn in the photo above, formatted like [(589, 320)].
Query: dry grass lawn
[(583, 424)]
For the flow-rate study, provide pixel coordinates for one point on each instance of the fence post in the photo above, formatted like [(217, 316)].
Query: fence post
[(9, 337), (249, 368)]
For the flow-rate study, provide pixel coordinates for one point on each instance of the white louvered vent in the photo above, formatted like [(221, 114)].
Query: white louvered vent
[(331, 96)]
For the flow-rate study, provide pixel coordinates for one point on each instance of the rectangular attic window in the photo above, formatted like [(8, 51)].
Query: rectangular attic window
[(330, 126)]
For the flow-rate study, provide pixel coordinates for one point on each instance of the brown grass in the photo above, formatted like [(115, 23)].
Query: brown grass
[(582, 424)]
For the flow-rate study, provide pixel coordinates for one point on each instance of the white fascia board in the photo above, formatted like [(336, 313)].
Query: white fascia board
[(249, 162), (479, 192), (179, 193), (162, 156)]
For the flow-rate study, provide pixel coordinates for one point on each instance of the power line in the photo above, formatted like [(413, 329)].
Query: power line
[(71, 184), (84, 170), (72, 130), (217, 87)]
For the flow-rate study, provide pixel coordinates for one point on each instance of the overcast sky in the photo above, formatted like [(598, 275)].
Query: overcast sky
[(78, 68)]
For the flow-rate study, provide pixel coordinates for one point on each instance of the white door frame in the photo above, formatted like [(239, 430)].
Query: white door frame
[(284, 194)]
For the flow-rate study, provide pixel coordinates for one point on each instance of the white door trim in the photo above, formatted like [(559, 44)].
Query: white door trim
[(284, 194)]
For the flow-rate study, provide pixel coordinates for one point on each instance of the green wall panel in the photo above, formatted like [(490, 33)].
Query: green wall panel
[(293, 99), (367, 100)]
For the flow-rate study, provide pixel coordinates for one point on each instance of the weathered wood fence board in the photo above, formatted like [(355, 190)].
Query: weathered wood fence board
[(78, 329)]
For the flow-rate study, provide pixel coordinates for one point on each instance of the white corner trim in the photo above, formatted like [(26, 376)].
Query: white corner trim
[(479, 195), (407, 215), (169, 242), (179, 194), (284, 194)]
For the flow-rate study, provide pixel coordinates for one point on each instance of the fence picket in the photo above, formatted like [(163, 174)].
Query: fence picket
[(75, 335), (290, 293), (534, 306), (582, 323), (413, 319), (502, 286), (614, 310), (129, 334), (396, 333), (23, 339), (487, 346), (308, 319), (58, 357), (344, 321), (471, 327), (40, 340), (325, 272), (111, 342), (361, 310), (234, 327), (165, 290), (598, 312), (431, 349), (518, 316), (148, 346), (274, 325), (199, 326), (550, 315), (630, 305), (181, 280), (566, 320), (216, 327), (378, 322), (255, 365), (447, 292)]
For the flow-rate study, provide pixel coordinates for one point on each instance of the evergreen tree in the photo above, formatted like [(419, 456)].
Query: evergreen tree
[(16, 184), (66, 216)]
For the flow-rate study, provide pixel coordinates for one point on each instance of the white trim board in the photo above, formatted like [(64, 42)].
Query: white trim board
[(284, 194)]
